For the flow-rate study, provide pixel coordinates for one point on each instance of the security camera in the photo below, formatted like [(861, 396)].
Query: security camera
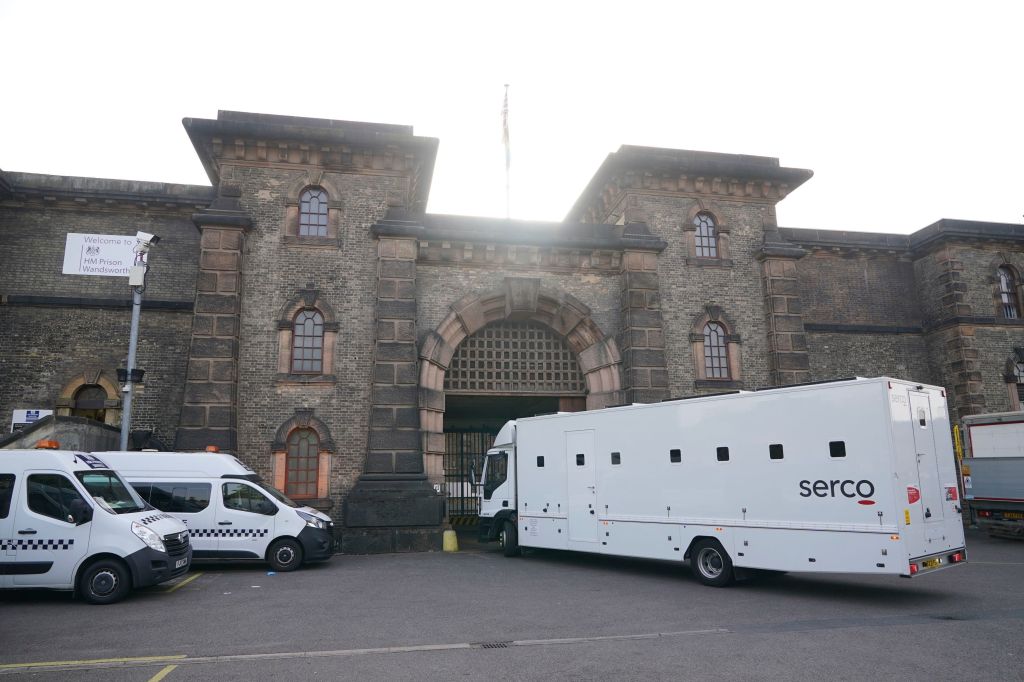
[(147, 239)]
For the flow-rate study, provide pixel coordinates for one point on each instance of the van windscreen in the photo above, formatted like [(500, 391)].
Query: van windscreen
[(277, 494), (110, 492)]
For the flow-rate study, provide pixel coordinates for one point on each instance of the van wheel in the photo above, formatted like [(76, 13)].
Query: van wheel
[(285, 555), (508, 539), (711, 564), (104, 582)]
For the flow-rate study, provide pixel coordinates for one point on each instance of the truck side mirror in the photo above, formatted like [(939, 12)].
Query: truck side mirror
[(266, 507), (80, 512)]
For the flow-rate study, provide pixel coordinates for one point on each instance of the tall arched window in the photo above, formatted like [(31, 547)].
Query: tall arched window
[(706, 238), (308, 343), (313, 212), (302, 465), (716, 352), (1008, 293), (90, 402)]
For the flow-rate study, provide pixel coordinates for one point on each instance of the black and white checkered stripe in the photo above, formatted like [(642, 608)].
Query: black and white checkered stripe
[(228, 532), (150, 519), (10, 543)]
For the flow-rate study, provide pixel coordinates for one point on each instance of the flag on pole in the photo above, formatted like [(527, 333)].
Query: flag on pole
[(508, 152), (504, 130)]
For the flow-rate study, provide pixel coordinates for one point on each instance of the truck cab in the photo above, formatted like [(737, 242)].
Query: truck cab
[(497, 490)]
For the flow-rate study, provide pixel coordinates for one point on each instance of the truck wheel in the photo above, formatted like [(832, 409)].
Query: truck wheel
[(285, 555), (508, 539), (711, 564), (104, 582)]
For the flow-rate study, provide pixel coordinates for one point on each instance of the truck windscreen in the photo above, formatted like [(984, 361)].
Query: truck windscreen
[(495, 473)]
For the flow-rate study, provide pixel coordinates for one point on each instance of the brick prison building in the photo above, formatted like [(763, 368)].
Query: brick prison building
[(306, 313)]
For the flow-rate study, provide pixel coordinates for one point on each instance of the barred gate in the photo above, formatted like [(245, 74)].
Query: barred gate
[(464, 452)]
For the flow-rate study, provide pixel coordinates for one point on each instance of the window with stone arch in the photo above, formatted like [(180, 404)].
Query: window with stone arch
[(1008, 299), (716, 352), (706, 238), (302, 464), (307, 330), (301, 458), (308, 343), (313, 212)]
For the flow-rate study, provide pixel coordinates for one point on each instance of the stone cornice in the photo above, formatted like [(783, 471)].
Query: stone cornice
[(340, 146), (942, 232), (98, 193), (947, 230), (518, 245), (681, 172)]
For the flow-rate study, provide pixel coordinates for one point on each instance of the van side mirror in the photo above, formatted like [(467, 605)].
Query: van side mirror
[(80, 512), (266, 507)]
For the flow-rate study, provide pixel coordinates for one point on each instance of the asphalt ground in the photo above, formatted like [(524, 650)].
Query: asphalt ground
[(549, 615)]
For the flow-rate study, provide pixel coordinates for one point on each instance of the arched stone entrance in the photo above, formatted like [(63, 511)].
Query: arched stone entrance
[(519, 299), (102, 394)]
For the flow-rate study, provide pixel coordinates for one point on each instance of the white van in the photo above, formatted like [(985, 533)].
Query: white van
[(230, 512), (68, 522)]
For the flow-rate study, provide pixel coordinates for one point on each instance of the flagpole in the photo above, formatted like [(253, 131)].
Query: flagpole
[(508, 158)]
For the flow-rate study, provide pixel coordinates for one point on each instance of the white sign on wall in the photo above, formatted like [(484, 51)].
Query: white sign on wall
[(108, 255), (23, 418)]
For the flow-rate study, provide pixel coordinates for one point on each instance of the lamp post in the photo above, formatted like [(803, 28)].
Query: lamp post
[(130, 376)]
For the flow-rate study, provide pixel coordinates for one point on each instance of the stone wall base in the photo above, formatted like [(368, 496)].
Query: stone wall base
[(390, 540), (392, 513)]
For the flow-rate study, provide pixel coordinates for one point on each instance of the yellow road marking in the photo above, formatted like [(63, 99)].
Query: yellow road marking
[(162, 674), (184, 582), (92, 661)]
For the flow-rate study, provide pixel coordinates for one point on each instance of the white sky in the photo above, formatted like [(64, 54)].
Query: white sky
[(907, 112)]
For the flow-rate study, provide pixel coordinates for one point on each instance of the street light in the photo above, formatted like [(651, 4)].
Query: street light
[(137, 282)]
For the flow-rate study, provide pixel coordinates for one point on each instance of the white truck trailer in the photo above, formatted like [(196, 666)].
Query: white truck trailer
[(853, 476), (993, 472)]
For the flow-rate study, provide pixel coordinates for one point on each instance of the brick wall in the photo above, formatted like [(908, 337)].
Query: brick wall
[(44, 347), (903, 356), (687, 288), (345, 273), (866, 289)]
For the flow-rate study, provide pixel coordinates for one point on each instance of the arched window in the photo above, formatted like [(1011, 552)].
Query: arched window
[(313, 212), (308, 343), (1008, 294), (90, 402), (707, 237), (302, 464), (716, 352)]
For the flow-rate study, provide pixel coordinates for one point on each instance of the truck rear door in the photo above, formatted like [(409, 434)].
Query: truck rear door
[(925, 492), (929, 486)]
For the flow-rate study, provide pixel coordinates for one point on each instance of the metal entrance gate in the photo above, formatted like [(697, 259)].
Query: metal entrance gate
[(464, 452)]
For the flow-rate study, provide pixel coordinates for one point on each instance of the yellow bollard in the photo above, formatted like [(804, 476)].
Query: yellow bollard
[(451, 541)]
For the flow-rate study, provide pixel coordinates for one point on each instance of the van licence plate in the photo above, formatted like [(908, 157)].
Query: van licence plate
[(931, 563), (180, 562)]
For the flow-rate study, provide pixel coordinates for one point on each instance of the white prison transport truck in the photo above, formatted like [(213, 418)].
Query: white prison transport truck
[(993, 472), (852, 476), (69, 522), (230, 511)]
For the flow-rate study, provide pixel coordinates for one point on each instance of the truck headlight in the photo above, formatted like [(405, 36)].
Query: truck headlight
[(148, 536), (311, 520)]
